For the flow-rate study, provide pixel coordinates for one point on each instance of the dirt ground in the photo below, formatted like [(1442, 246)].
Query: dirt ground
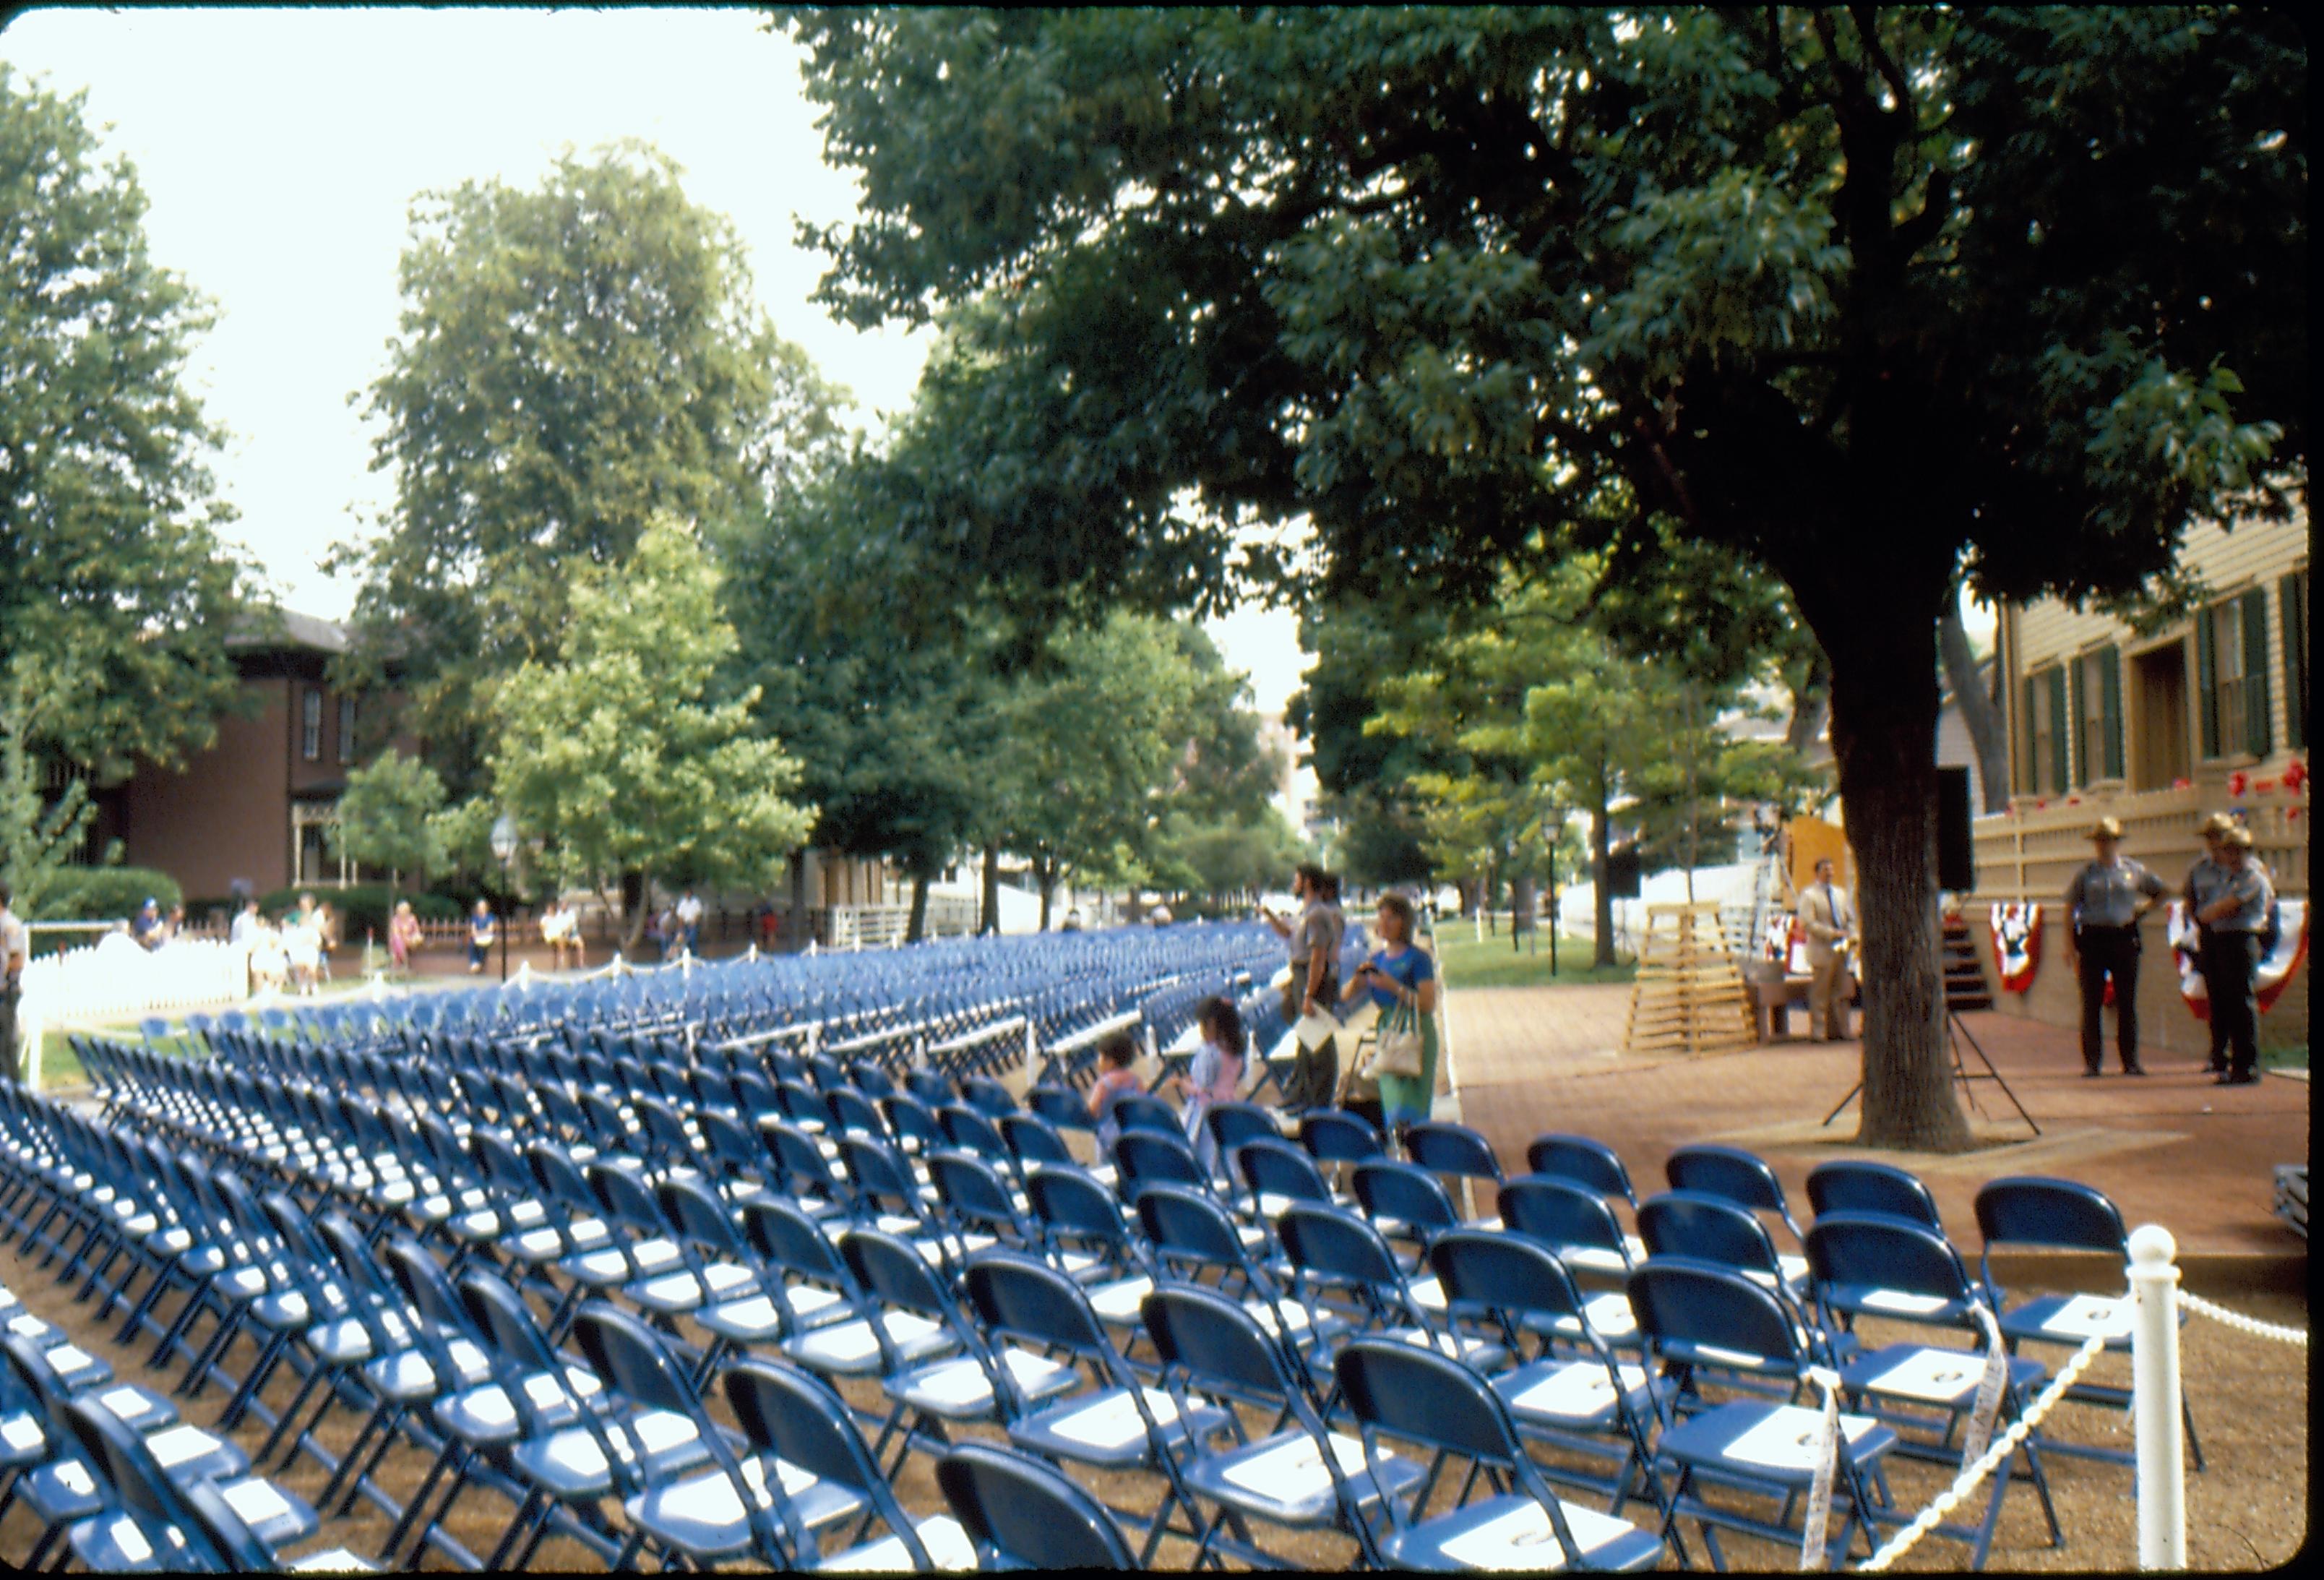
[(2247, 1511)]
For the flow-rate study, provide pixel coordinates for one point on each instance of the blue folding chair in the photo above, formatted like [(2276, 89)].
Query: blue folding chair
[(1580, 1160), (1698, 1317), (1300, 1475), (1429, 1399), (2040, 1213), (1856, 1185), (1743, 1178)]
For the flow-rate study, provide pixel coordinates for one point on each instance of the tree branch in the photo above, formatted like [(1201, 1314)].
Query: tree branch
[(1868, 29)]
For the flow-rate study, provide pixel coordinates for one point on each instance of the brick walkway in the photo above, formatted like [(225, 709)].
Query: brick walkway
[(2171, 1148)]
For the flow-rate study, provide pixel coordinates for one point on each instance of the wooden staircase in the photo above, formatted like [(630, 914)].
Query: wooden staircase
[(1689, 996), (1965, 986)]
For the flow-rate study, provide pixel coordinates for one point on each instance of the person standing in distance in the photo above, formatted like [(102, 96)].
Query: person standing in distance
[(1828, 916), (2232, 922), (1314, 940), (2104, 905), (2206, 879), (15, 948)]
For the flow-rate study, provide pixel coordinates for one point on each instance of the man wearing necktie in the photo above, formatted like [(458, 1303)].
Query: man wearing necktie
[(1828, 920)]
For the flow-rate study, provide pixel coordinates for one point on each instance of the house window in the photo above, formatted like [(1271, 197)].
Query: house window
[(2293, 596), (2231, 661), (346, 729), (310, 725), (2097, 716), (2047, 729)]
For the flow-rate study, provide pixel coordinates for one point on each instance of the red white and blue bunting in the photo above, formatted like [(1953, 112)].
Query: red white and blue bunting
[(2018, 943), (2275, 971)]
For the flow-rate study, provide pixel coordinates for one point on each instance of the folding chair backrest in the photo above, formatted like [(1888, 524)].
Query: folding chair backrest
[(1583, 1161), (1138, 1112), (696, 1214), (1187, 1225), (852, 1112), (1157, 1157), (1061, 1106), (500, 1315), (1885, 1253), (973, 1192), (1071, 1203), (1504, 1272), (1338, 1244), (1689, 1307), (1028, 1512), (1559, 1212), (632, 1360), (971, 1130), (893, 1273), (1740, 1176), (1851, 1186), (1217, 1343), (1390, 1189), (1707, 1228), (793, 1241), (1277, 1168), (123, 1458), (2029, 1209), (1444, 1148), (799, 1418), (988, 1096), (624, 1197), (1033, 1140), (1231, 1125), (1014, 1294), (1334, 1135), (911, 1120), (1423, 1397)]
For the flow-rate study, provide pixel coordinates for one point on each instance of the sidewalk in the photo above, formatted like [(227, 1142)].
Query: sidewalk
[(2171, 1148)]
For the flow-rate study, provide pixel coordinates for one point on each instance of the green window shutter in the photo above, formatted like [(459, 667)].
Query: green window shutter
[(2110, 707), (2259, 737), (2029, 772), (2078, 754), (2059, 727), (2293, 598), (2207, 682)]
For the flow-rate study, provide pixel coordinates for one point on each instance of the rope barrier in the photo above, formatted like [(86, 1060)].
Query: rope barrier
[(2237, 1320), (2002, 1448)]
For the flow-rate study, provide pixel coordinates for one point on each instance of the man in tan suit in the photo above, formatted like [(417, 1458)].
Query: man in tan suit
[(1828, 920)]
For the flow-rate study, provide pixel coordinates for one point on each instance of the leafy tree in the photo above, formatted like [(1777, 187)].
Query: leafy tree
[(1870, 297), (615, 752), (113, 586), (387, 816), (575, 361)]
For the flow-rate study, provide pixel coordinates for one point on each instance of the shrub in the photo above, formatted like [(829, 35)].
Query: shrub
[(360, 906), (108, 893)]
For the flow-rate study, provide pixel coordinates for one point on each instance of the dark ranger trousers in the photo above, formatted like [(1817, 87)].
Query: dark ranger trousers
[(2109, 952), (2231, 969)]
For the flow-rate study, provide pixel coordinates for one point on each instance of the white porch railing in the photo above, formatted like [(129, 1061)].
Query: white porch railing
[(114, 976), (881, 926)]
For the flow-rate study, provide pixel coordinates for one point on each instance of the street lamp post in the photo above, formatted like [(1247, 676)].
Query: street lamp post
[(503, 840)]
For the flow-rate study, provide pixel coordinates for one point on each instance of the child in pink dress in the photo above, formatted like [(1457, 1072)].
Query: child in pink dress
[(1115, 1079)]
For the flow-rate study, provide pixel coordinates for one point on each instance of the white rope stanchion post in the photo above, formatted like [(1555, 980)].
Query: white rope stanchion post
[(2154, 1385)]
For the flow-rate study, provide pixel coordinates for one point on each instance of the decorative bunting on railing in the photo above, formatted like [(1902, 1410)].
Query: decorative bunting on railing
[(2018, 943)]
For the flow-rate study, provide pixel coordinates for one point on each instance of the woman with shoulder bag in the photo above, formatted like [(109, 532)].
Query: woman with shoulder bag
[(1402, 980)]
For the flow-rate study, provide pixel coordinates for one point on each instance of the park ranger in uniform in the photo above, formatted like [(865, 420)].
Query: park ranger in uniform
[(2103, 905)]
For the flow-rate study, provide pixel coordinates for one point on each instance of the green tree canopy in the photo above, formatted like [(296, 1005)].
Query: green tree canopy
[(115, 590), (1868, 297), (575, 360), (615, 752), (386, 814)]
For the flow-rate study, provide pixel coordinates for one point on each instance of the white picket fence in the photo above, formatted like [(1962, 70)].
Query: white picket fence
[(114, 976)]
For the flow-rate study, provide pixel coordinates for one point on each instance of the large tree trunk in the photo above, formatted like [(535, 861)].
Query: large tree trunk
[(1044, 873), (1601, 844), (797, 929), (1884, 728), (917, 928), (635, 896), (1977, 709), (987, 920)]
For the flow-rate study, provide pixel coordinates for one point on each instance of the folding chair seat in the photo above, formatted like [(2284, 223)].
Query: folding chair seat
[(1592, 1403), (1580, 1160), (1851, 1186), (2039, 1213), (1024, 1513), (1742, 1179), (972, 1378), (1421, 1396), (1122, 1424), (1299, 1474), (220, 1526), (1879, 1263), (1694, 1314)]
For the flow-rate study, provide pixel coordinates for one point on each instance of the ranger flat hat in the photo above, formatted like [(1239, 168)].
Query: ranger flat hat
[(2217, 825), (2105, 828), (2237, 836)]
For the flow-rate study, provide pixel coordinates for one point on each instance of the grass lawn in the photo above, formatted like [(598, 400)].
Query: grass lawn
[(2283, 1056), (1493, 963)]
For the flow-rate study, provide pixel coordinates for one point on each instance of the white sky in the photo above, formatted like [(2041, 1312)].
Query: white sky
[(281, 152)]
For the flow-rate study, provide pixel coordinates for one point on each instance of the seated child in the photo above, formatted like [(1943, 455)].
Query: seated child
[(1115, 1079)]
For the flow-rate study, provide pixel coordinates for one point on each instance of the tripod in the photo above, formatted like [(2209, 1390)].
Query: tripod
[(1957, 1032)]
